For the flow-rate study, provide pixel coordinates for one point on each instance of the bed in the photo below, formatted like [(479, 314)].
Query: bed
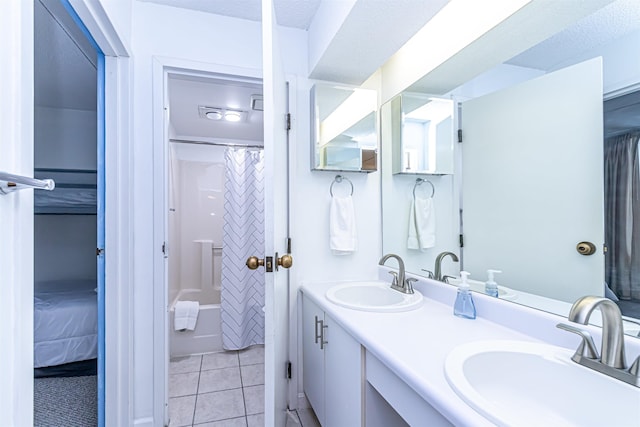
[(65, 323)]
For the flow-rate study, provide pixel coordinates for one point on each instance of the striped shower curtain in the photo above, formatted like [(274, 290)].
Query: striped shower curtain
[(242, 296)]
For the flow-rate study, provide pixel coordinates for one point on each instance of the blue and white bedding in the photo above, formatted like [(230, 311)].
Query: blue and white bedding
[(65, 322)]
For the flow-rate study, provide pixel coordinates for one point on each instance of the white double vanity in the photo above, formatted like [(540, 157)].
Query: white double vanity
[(420, 365)]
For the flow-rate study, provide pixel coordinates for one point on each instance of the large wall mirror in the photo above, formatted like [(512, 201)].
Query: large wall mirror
[(343, 128), (531, 182)]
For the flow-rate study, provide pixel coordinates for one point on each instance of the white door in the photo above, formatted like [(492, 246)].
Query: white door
[(276, 220), (533, 183), (16, 214)]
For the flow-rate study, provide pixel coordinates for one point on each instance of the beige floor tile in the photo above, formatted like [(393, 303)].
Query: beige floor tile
[(181, 365), (255, 420), (219, 405), (225, 359), (219, 379), (232, 422), (183, 384), (254, 399), (181, 411), (252, 355), (252, 374)]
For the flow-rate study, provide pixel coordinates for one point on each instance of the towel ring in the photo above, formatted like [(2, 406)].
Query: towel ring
[(339, 179), (419, 181)]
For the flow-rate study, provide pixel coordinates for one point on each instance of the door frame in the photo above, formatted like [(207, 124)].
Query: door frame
[(162, 67), (17, 259)]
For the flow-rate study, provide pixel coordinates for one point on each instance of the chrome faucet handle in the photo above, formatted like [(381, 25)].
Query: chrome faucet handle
[(395, 278), (429, 273), (586, 344), (408, 284), (635, 368), (446, 278)]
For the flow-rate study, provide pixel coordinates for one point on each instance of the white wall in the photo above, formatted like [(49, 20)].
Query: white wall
[(65, 138), (65, 245)]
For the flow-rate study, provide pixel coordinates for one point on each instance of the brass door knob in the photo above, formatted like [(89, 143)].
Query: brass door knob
[(285, 261), (253, 262), (586, 248)]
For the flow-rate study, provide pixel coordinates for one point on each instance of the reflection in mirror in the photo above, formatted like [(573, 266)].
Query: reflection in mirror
[(562, 50), (344, 131), (422, 128)]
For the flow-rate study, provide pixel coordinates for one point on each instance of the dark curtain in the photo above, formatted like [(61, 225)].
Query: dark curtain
[(622, 215)]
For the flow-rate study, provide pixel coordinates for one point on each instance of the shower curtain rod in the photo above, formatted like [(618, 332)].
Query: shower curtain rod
[(222, 144)]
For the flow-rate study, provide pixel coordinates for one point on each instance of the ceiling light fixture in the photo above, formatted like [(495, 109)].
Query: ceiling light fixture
[(213, 115), (233, 116), (217, 113)]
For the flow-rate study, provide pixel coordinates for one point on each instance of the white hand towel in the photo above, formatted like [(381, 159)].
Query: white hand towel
[(342, 226), (422, 224), (186, 315)]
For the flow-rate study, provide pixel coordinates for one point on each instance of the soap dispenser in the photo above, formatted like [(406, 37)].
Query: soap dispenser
[(464, 306), (490, 286)]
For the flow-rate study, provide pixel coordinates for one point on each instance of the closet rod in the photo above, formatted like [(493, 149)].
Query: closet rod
[(221, 144)]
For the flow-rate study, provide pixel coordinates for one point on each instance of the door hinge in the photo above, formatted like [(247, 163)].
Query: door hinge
[(459, 135), (287, 125), (288, 371), (461, 241), (164, 248), (99, 251)]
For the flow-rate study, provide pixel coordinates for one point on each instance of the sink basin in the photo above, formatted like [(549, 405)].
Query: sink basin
[(514, 383), (373, 296)]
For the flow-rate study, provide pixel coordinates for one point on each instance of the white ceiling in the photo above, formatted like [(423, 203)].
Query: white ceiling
[(289, 13), (606, 25)]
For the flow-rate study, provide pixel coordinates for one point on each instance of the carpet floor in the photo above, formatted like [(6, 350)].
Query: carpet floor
[(65, 401)]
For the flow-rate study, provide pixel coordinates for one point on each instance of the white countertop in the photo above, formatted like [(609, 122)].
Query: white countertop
[(415, 344)]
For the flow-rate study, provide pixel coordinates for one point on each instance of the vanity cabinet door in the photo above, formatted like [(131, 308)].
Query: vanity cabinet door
[(313, 357), (332, 369), (343, 377)]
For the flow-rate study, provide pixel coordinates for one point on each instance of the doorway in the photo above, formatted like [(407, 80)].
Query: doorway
[(69, 221), (215, 328)]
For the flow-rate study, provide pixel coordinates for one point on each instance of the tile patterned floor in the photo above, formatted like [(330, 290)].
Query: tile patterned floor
[(218, 389), (223, 389)]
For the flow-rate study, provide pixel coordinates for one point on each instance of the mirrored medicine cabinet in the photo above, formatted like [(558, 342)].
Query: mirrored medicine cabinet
[(343, 128), (422, 133)]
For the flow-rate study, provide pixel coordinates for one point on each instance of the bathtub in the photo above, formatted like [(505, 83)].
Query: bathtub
[(207, 336)]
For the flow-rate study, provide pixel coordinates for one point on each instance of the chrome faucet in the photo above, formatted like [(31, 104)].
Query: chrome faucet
[(612, 359), (399, 282), (437, 271)]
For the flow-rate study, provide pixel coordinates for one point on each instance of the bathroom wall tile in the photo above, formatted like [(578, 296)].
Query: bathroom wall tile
[(224, 359), (183, 384), (256, 420), (181, 365), (308, 418), (232, 422), (254, 399), (219, 379), (252, 374), (181, 411), (219, 405), (252, 355)]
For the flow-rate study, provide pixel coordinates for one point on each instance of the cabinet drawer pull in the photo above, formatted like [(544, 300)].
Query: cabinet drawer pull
[(318, 335), (322, 340)]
